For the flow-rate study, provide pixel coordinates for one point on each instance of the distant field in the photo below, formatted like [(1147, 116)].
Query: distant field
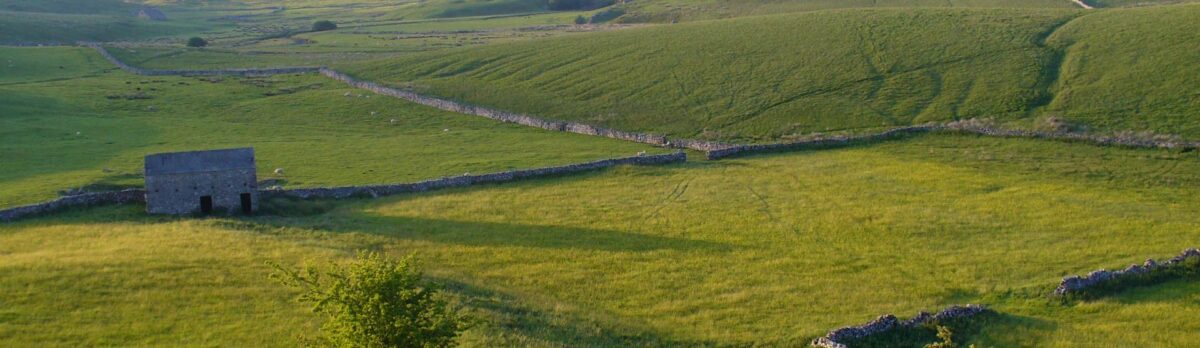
[(848, 70), (687, 10), (770, 250), (62, 134)]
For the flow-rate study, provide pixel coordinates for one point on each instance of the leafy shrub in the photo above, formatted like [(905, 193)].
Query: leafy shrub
[(946, 336), (579, 20), (197, 42), (324, 26), (376, 302)]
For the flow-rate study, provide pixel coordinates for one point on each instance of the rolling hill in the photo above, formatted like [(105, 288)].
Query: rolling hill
[(772, 77), (759, 78)]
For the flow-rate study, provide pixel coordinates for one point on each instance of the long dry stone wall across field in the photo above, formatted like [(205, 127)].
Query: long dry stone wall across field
[(83, 200), (522, 119), (468, 180), (139, 196), (977, 127)]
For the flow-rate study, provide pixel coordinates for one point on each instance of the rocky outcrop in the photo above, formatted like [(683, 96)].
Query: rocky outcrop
[(1075, 284), (840, 337), (82, 200), (468, 180)]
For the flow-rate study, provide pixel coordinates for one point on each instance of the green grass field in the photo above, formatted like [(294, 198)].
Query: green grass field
[(770, 250), (838, 71), (689, 10), (767, 250), (63, 133), (819, 72)]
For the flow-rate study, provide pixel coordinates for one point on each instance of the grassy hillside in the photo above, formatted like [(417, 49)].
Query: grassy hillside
[(845, 70), (92, 131), (1136, 3), (815, 72), (1131, 69), (768, 250), (687, 10)]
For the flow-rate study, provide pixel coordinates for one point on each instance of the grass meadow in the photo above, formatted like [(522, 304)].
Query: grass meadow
[(847, 70), (838, 71), (691, 10), (768, 250), (92, 131)]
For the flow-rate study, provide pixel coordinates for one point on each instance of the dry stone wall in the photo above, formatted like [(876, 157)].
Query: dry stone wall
[(468, 180), (976, 127), (1075, 284), (83, 200), (522, 119), (840, 337)]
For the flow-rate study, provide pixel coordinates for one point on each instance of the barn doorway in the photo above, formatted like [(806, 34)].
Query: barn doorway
[(206, 206), (247, 204)]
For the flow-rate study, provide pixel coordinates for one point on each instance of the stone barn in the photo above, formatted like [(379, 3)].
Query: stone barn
[(202, 182)]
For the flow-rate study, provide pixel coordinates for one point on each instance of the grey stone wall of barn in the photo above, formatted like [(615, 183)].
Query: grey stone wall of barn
[(179, 194)]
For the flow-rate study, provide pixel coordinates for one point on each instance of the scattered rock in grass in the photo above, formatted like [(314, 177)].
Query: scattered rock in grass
[(278, 171)]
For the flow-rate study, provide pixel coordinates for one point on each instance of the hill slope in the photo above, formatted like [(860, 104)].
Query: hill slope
[(1132, 69), (842, 70), (686, 10), (762, 77)]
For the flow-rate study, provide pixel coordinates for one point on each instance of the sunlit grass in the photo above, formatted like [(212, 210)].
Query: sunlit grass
[(770, 250)]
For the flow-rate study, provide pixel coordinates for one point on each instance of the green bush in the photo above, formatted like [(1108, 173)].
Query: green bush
[(579, 20), (197, 42), (324, 26), (376, 302)]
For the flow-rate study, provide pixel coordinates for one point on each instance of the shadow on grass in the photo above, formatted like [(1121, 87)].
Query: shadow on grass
[(510, 322), (491, 234), (966, 331)]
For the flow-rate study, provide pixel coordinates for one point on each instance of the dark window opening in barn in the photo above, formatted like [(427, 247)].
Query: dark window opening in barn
[(247, 205), (206, 206)]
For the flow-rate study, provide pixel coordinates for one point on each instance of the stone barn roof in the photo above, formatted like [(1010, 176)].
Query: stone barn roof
[(200, 161)]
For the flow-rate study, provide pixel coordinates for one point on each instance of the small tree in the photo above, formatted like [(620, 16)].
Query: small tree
[(376, 302), (580, 20), (324, 25), (197, 42)]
